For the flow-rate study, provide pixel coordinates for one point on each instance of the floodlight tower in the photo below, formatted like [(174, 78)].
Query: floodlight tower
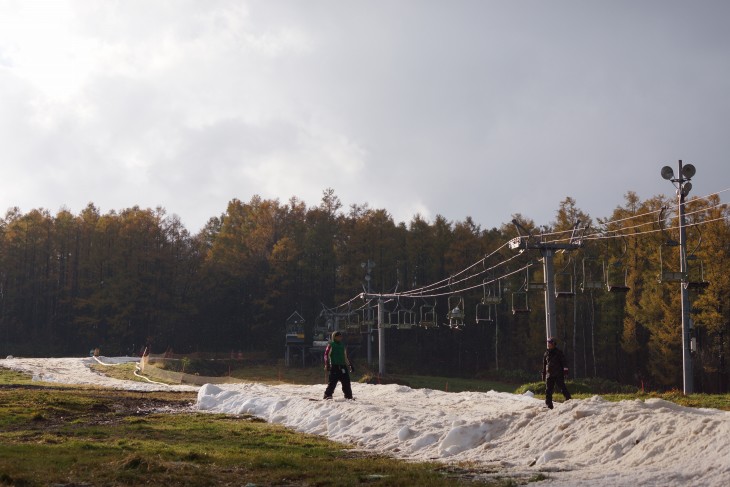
[(683, 185)]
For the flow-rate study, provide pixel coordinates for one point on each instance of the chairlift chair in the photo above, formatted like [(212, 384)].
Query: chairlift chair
[(565, 281), (352, 323), (521, 297), (665, 274), (427, 316), (491, 297), (391, 318), (591, 280), (483, 313), (455, 314), (367, 320), (612, 284), (407, 317), (612, 270), (520, 302), (695, 274), (323, 326), (536, 286)]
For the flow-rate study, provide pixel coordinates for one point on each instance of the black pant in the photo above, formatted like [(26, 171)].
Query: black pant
[(339, 373), (550, 383)]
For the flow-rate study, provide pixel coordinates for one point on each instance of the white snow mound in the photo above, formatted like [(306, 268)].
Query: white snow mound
[(627, 443)]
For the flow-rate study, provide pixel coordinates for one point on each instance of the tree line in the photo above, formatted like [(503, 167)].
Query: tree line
[(136, 277)]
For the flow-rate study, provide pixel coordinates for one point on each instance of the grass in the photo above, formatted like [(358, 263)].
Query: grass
[(120, 371), (13, 377), (279, 374), (577, 390), (90, 436), (715, 401)]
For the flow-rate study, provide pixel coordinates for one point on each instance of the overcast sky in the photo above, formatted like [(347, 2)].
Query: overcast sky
[(458, 108)]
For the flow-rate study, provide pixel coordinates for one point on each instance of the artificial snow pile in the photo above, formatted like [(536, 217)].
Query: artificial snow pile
[(627, 443), (77, 371), (652, 443)]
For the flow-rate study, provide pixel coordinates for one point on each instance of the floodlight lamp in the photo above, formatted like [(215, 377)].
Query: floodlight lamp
[(686, 189), (667, 173), (688, 171)]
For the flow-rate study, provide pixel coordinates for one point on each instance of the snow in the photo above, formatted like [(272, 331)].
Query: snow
[(652, 442), (77, 371)]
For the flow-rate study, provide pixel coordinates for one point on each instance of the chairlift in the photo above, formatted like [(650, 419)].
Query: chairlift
[(391, 318), (323, 326), (367, 318), (352, 322), (592, 275), (455, 314), (520, 302), (427, 315), (695, 273), (665, 274), (695, 268), (612, 284), (406, 316), (612, 272), (492, 297), (534, 285), (565, 282), (521, 297)]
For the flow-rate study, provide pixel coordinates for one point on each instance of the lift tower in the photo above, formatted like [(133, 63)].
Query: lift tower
[(526, 241)]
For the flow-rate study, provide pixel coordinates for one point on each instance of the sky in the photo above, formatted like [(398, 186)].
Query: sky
[(462, 108), (581, 442)]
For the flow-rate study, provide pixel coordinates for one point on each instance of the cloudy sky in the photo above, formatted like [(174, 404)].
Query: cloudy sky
[(459, 108)]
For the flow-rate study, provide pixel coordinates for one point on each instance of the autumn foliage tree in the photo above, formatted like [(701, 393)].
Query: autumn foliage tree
[(127, 279)]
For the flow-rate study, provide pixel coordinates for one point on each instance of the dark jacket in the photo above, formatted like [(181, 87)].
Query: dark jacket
[(553, 363)]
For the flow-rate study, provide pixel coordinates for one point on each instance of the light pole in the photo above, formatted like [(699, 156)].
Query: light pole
[(368, 266), (683, 185)]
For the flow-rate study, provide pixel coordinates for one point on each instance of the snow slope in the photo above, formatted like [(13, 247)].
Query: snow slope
[(628, 443), (77, 371), (652, 443)]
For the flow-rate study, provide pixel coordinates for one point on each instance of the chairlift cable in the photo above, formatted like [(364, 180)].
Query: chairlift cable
[(674, 207), (597, 236)]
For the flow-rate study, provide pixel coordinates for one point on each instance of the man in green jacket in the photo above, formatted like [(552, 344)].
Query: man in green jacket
[(338, 365)]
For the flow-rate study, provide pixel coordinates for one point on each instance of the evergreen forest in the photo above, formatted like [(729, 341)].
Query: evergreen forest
[(136, 278)]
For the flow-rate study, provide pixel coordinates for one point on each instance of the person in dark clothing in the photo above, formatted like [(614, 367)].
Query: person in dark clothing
[(554, 367), (338, 365)]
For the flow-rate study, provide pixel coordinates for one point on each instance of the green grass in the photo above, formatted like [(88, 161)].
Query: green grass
[(577, 390), (120, 371), (80, 435), (13, 377), (278, 374), (715, 401)]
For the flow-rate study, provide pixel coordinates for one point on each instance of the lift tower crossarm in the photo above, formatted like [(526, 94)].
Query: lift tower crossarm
[(525, 241)]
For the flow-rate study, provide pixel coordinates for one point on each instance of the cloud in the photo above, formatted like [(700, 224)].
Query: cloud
[(471, 109)]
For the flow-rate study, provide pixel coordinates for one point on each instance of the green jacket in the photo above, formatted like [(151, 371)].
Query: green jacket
[(336, 353)]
